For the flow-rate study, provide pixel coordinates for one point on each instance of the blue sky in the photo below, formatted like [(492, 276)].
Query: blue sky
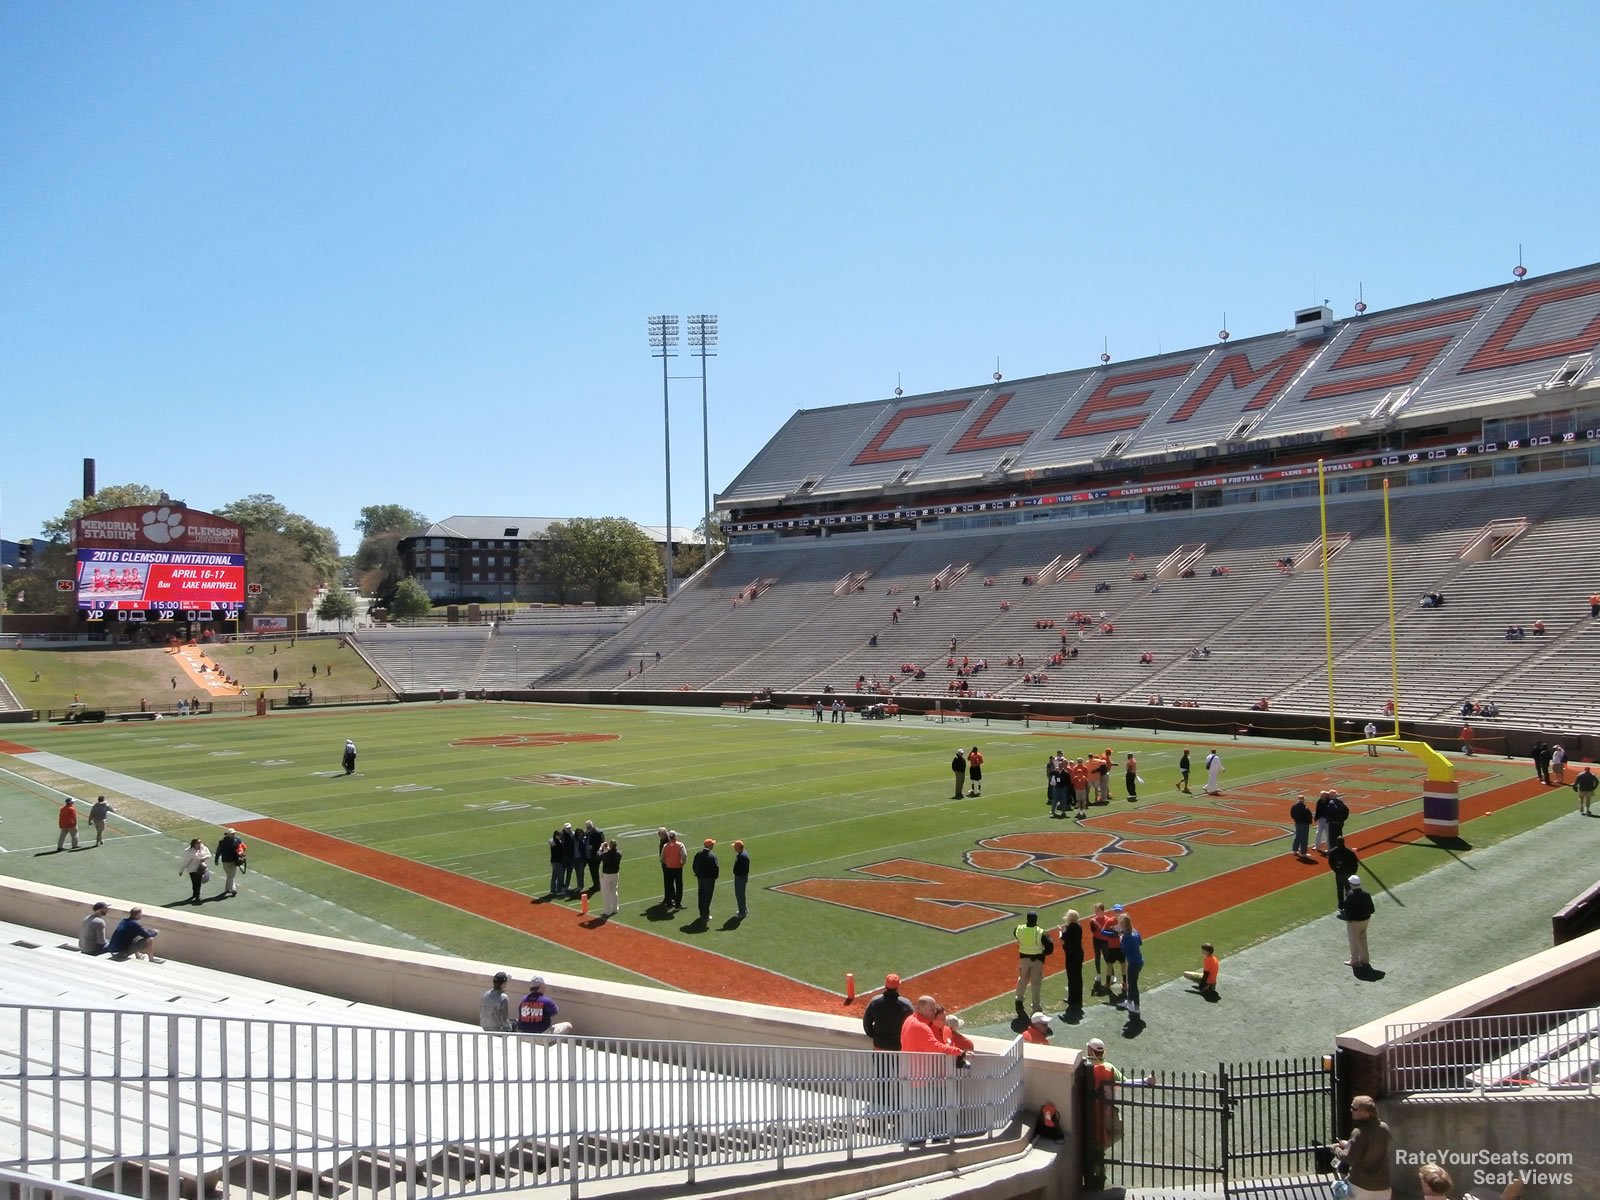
[(369, 253)]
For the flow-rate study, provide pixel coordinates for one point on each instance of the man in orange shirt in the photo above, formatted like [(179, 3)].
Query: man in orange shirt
[(923, 1107), (673, 856), (67, 825), (1038, 1031)]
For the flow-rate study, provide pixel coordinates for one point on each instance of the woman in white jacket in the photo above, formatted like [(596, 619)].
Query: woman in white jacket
[(196, 864)]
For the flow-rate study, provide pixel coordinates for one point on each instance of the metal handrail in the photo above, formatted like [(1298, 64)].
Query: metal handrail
[(167, 1104), (1559, 1051)]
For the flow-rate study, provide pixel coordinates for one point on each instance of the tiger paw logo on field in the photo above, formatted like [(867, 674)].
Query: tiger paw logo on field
[(163, 525), (1079, 854)]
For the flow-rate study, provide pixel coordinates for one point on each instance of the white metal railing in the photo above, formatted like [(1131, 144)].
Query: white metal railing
[(163, 1104), (18, 1185), (1555, 1050)]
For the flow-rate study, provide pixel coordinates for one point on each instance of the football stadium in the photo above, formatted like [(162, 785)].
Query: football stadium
[(972, 665)]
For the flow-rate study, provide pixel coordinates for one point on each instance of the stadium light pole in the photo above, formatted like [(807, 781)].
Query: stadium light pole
[(702, 336), (663, 337)]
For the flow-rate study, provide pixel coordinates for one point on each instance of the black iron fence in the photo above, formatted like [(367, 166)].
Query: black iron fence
[(1247, 1129)]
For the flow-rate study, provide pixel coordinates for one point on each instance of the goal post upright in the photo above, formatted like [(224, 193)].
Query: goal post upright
[(1441, 804)]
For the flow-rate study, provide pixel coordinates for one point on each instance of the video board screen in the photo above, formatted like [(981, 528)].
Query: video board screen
[(162, 581)]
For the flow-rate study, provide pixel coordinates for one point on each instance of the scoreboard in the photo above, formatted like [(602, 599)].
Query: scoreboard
[(162, 583), (158, 562)]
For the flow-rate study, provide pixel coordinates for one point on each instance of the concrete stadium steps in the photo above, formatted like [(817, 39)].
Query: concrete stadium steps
[(1265, 627), (423, 659), (1459, 652)]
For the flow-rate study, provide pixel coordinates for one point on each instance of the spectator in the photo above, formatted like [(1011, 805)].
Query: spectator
[(1356, 911), (949, 1028), (1370, 732), (571, 870), (1366, 1151), (975, 772), (67, 824), (1558, 766), (98, 813), (1585, 785), (494, 1007), (1070, 936), (958, 768), (1131, 945), (1205, 979), (1300, 815), (1033, 946), (1105, 1124), (196, 864), (741, 876), (610, 863), (1435, 1182), (558, 870), (1338, 814), (348, 760), (924, 1114), (885, 1015), (1214, 770), (1038, 1031), (673, 858), (1343, 863), (706, 872), (593, 838), (92, 932), (230, 854), (537, 1012), (131, 938), (1103, 935)]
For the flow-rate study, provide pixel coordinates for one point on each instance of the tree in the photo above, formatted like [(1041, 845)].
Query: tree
[(337, 605), (262, 514), (118, 495), (608, 558), (410, 601), (389, 518), (287, 580), (376, 562), (713, 541), (34, 590)]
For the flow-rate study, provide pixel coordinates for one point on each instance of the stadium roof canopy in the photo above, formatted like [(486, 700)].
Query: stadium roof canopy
[(530, 529), (1488, 352)]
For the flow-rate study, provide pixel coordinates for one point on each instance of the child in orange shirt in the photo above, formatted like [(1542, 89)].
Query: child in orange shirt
[(1205, 979)]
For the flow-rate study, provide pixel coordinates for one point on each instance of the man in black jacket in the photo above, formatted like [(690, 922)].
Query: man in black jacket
[(1342, 861), (230, 856), (706, 870), (884, 1016), (1355, 910)]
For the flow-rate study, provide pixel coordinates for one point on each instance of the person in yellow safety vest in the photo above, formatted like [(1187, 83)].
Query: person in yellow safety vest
[(1033, 944)]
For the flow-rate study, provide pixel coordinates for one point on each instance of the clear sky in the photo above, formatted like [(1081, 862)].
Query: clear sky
[(363, 253)]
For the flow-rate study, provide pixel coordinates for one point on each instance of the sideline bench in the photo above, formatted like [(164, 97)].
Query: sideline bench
[(136, 716)]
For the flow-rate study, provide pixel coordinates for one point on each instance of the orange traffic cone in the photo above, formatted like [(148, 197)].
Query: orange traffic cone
[(849, 987), (583, 908)]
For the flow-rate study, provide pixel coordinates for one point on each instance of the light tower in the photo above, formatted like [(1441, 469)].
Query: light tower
[(703, 336), (663, 337)]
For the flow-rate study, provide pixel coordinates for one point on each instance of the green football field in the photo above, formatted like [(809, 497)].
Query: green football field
[(862, 859)]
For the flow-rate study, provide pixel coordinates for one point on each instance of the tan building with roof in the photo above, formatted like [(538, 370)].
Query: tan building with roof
[(482, 558)]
